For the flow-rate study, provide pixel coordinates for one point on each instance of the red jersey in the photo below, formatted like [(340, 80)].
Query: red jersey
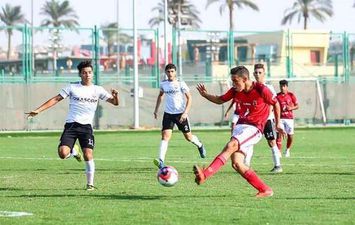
[(254, 105), (288, 99), (236, 108)]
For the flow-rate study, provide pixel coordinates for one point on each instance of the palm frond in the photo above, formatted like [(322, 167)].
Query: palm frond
[(319, 9)]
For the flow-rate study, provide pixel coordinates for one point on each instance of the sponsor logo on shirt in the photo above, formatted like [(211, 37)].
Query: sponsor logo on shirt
[(89, 100), (171, 91)]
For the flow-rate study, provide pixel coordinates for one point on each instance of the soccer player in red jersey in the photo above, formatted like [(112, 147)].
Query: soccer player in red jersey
[(288, 103), (254, 100)]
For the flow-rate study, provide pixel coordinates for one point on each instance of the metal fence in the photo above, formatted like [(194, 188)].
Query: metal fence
[(35, 63), (44, 54)]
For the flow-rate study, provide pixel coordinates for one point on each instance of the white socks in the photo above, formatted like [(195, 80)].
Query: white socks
[(73, 152), (90, 171), (195, 141), (163, 149), (276, 155)]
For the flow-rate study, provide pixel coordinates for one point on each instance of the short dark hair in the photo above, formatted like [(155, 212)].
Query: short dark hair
[(240, 71), (170, 66), (84, 64), (283, 82), (259, 66)]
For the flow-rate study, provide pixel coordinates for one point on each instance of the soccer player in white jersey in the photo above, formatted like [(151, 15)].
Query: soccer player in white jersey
[(269, 130), (83, 98), (177, 107)]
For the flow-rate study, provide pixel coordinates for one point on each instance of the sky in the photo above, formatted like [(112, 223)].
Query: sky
[(94, 12)]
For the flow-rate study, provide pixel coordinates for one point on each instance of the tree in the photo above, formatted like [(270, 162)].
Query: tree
[(231, 4), (112, 34), (184, 8), (319, 9), (58, 15), (11, 16)]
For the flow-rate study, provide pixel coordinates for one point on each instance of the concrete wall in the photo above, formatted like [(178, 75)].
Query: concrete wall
[(16, 99)]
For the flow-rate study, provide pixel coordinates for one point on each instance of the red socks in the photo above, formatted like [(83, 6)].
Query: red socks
[(279, 143), (289, 142), (216, 164), (255, 181), (249, 175)]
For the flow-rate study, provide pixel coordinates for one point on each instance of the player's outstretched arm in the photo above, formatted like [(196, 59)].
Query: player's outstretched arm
[(115, 97), (203, 92), (51, 102)]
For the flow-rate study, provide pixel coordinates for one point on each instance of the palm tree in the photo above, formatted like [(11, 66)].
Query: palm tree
[(319, 9), (230, 4), (59, 14), (11, 16), (187, 11), (112, 34)]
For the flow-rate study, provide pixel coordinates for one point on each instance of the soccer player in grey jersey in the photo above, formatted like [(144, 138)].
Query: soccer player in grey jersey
[(83, 98), (177, 107)]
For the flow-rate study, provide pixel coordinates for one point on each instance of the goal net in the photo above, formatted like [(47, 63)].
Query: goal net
[(309, 94)]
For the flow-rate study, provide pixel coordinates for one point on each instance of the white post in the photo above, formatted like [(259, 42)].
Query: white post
[(135, 68), (179, 42), (32, 33), (118, 37), (166, 57), (321, 102)]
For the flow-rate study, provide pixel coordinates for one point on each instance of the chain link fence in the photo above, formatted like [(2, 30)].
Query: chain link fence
[(35, 63)]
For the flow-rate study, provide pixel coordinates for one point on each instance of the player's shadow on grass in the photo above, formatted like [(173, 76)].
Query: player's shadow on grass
[(23, 169), (107, 196), (110, 170), (122, 196), (11, 189)]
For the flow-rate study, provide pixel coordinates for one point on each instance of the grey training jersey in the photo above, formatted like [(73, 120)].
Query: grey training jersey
[(83, 101), (174, 91)]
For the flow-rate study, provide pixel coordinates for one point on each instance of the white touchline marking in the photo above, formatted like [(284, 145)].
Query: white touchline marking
[(14, 214), (148, 159)]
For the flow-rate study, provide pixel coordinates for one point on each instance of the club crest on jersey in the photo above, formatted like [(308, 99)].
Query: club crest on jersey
[(255, 103)]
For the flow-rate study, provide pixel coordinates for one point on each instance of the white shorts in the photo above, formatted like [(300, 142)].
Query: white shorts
[(247, 136), (235, 118), (288, 126)]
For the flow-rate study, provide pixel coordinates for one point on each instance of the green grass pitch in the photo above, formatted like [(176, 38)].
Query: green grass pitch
[(316, 187)]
